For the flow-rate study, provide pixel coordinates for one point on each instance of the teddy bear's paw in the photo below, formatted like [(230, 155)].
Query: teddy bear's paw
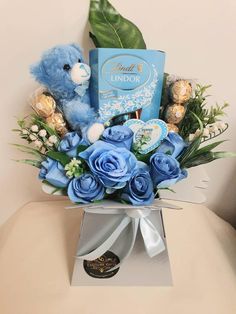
[(95, 131)]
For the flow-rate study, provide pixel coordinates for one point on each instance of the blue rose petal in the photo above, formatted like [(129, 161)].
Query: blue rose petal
[(119, 135), (113, 165), (172, 144), (139, 190), (70, 143), (165, 170), (85, 189), (53, 172)]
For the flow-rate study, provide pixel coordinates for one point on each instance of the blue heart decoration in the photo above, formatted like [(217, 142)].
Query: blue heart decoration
[(147, 135)]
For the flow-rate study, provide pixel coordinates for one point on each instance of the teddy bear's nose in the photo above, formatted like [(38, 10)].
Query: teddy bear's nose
[(80, 73)]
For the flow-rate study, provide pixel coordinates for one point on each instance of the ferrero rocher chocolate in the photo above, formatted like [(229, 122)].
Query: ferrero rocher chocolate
[(172, 128), (181, 91), (175, 113), (57, 122), (44, 105)]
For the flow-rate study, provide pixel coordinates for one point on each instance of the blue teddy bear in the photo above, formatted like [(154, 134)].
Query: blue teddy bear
[(63, 72)]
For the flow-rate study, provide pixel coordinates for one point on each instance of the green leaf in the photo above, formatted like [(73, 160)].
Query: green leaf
[(29, 150), (218, 155), (94, 39), (59, 156), (21, 123), (31, 162), (110, 29), (194, 145), (16, 130), (81, 148), (189, 151), (206, 158), (145, 158), (207, 148)]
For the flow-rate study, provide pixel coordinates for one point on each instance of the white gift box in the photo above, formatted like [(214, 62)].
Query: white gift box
[(138, 269)]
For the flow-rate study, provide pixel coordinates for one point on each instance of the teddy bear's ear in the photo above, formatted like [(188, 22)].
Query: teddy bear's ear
[(39, 73), (77, 47)]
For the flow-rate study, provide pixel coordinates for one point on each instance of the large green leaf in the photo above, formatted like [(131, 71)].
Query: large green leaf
[(59, 156), (29, 150), (193, 147), (207, 148), (110, 29), (81, 148), (31, 162), (207, 157), (94, 39), (189, 151)]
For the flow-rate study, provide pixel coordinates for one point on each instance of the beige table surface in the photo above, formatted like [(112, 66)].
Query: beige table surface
[(36, 258)]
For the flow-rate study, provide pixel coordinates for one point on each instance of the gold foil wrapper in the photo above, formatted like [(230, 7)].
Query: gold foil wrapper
[(57, 122), (44, 105), (181, 91), (172, 128), (175, 113)]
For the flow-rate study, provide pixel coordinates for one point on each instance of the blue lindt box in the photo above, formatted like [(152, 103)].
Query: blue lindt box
[(126, 81)]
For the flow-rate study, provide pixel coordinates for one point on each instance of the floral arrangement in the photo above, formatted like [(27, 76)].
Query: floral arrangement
[(113, 166)]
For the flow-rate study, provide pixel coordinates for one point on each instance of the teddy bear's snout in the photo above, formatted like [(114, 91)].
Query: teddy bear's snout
[(80, 73)]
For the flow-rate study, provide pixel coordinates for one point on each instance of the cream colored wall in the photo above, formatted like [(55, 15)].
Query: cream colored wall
[(198, 36)]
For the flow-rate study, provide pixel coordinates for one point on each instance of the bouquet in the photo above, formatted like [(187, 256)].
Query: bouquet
[(88, 155)]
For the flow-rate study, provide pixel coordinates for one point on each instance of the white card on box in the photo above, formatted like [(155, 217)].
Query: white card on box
[(137, 270)]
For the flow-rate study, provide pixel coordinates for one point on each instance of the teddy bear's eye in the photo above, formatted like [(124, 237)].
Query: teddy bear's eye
[(79, 60), (66, 67)]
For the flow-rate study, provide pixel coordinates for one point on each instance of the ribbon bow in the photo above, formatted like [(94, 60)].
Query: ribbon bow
[(81, 89), (132, 218)]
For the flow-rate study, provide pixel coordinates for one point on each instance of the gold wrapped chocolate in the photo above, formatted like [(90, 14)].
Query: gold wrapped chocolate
[(181, 91), (175, 113), (172, 128), (44, 105), (57, 122)]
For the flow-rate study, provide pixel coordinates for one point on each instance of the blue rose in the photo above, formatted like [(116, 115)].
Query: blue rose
[(113, 165), (85, 189), (173, 144), (53, 172), (119, 135), (139, 189), (165, 170), (70, 143)]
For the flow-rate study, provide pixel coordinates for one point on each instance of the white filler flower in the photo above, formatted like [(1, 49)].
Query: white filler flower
[(38, 143), (53, 139), (32, 137), (25, 132), (43, 133), (34, 128)]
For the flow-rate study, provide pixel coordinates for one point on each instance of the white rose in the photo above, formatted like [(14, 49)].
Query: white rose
[(34, 128), (53, 139), (42, 133)]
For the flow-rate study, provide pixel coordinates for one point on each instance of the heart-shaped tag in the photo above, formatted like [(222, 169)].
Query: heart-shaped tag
[(147, 135)]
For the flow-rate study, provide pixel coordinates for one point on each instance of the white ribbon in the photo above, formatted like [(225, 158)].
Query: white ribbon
[(132, 218)]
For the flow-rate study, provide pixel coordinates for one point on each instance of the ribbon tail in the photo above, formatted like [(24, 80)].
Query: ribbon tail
[(107, 244), (152, 239), (135, 225)]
